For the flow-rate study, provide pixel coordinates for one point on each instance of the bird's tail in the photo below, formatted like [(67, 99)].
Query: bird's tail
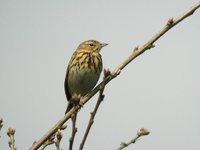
[(69, 107)]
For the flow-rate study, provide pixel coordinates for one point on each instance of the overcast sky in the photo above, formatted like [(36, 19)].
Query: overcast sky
[(160, 90)]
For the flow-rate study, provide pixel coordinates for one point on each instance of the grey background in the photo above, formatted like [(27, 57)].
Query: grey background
[(159, 90)]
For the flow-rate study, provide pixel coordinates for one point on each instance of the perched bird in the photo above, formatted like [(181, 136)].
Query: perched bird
[(83, 70)]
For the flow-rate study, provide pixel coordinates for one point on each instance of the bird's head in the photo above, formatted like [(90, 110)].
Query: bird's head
[(91, 46)]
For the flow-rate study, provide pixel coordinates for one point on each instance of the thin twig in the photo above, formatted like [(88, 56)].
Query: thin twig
[(141, 132), (55, 139), (47, 143), (58, 139), (11, 140), (74, 130), (91, 121), (171, 23)]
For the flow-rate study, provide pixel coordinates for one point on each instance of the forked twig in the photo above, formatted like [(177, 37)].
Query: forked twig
[(55, 139), (47, 143), (141, 132), (171, 23)]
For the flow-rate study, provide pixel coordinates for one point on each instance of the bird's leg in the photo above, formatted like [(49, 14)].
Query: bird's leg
[(82, 101), (77, 99)]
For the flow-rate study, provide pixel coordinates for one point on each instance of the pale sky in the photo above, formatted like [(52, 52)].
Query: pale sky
[(159, 90)]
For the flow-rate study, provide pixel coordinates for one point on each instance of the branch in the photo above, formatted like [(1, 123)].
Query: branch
[(54, 139), (91, 121), (74, 130), (138, 51), (11, 141), (58, 139), (141, 132), (47, 143)]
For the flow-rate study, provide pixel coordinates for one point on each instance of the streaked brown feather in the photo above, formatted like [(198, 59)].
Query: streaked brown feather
[(84, 69)]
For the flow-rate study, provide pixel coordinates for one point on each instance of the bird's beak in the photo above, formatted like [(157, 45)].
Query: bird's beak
[(103, 44)]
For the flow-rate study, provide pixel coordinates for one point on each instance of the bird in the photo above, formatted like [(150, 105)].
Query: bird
[(83, 71)]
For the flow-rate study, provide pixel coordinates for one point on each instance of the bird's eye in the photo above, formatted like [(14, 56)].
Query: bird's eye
[(91, 44)]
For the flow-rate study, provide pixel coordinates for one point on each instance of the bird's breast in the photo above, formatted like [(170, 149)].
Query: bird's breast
[(84, 74)]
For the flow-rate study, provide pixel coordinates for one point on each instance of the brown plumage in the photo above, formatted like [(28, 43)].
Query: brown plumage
[(83, 70)]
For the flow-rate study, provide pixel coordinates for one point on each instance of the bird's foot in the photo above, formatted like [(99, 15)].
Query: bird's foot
[(77, 99)]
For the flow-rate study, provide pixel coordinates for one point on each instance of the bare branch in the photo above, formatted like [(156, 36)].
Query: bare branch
[(11, 140), (91, 121), (150, 44), (47, 143), (55, 139), (58, 139), (74, 130), (141, 132)]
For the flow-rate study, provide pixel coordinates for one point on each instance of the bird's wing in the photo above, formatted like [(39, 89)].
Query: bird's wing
[(68, 95)]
